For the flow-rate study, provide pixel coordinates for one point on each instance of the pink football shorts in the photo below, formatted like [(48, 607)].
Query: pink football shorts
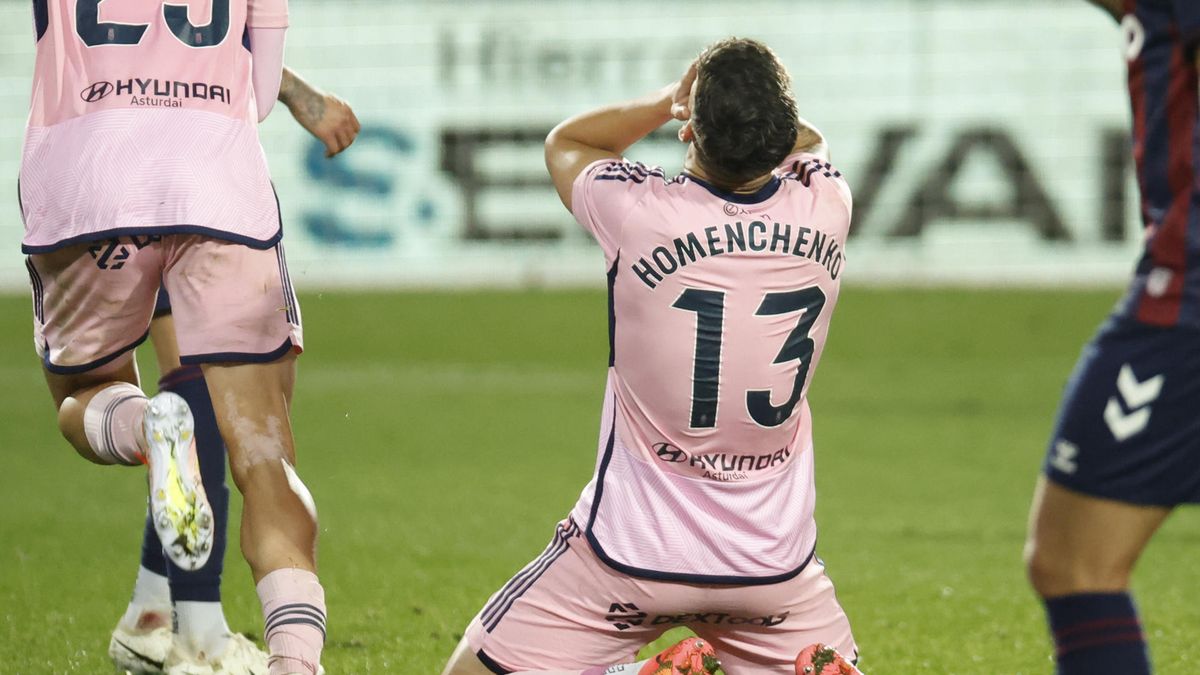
[(93, 302), (568, 610)]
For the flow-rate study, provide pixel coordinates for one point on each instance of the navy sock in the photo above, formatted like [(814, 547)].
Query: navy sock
[(1097, 633), (153, 557), (204, 584)]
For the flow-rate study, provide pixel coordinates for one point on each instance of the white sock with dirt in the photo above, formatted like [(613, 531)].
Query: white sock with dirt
[(150, 606), (201, 629)]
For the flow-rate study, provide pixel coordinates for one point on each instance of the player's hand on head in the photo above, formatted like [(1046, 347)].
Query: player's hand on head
[(681, 99), (681, 102)]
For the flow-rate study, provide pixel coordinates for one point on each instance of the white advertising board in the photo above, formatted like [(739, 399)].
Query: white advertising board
[(985, 141)]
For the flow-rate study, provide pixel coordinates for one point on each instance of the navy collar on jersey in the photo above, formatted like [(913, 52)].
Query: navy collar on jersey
[(761, 195)]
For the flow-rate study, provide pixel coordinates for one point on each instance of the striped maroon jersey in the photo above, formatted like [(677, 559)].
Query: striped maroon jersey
[(1161, 38)]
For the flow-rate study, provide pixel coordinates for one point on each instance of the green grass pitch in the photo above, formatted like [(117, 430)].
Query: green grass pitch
[(444, 434)]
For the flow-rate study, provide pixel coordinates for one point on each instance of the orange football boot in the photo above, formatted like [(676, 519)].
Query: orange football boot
[(692, 656), (821, 660)]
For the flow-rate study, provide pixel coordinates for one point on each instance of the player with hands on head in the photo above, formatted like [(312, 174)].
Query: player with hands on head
[(722, 281), (198, 641)]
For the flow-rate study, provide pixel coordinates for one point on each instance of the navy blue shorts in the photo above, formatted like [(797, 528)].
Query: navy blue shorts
[(1129, 425)]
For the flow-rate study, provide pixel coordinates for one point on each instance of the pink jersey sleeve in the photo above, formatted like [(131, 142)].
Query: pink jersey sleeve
[(267, 13), (267, 70), (605, 193)]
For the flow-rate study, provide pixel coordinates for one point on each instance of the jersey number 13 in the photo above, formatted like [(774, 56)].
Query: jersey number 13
[(709, 307)]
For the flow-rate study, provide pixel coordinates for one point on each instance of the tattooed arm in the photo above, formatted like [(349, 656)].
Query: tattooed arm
[(325, 116)]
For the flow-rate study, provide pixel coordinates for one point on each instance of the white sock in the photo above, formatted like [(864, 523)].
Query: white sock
[(201, 628), (151, 595)]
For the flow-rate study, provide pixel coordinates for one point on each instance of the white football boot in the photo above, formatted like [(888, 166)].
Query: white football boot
[(179, 507), (241, 657), (140, 653)]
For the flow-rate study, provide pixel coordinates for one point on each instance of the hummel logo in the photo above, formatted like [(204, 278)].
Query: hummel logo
[(1134, 396), (1064, 456), (625, 616)]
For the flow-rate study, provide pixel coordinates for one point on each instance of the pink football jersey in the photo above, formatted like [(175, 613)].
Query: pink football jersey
[(719, 308), (143, 120)]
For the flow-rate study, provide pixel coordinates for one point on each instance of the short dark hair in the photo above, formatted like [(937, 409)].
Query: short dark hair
[(744, 119)]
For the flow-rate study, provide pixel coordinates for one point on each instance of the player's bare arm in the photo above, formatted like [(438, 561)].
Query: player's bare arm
[(608, 131), (811, 141), (327, 117)]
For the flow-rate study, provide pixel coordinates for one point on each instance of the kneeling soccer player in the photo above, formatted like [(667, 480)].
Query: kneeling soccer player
[(722, 282)]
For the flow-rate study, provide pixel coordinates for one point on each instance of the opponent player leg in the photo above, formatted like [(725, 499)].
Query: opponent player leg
[(1122, 454), (1080, 555)]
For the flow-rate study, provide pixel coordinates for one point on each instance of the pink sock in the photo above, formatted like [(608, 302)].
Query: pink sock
[(294, 611), (112, 423)]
